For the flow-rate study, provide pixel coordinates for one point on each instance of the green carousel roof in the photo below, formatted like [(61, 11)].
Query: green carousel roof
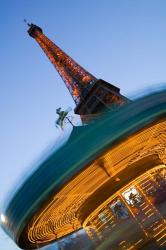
[(84, 145)]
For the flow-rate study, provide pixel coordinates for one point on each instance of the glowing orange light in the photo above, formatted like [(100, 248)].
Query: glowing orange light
[(63, 209)]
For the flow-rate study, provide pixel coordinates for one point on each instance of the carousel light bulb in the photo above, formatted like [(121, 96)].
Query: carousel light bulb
[(3, 218)]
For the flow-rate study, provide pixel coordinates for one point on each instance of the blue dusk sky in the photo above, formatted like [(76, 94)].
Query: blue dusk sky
[(120, 41)]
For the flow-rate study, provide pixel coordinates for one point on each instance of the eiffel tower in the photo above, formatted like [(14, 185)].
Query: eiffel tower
[(91, 95)]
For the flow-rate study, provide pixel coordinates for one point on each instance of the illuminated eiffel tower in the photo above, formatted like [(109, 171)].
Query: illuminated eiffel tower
[(90, 94)]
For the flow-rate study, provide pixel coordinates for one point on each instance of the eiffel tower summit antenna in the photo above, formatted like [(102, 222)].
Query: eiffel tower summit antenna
[(25, 21)]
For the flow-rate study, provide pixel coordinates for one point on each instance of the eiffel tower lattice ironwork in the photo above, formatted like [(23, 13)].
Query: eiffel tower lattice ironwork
[(89, 93)]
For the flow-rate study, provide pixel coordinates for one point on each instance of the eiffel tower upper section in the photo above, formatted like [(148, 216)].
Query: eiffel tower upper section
[(90, 94)]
